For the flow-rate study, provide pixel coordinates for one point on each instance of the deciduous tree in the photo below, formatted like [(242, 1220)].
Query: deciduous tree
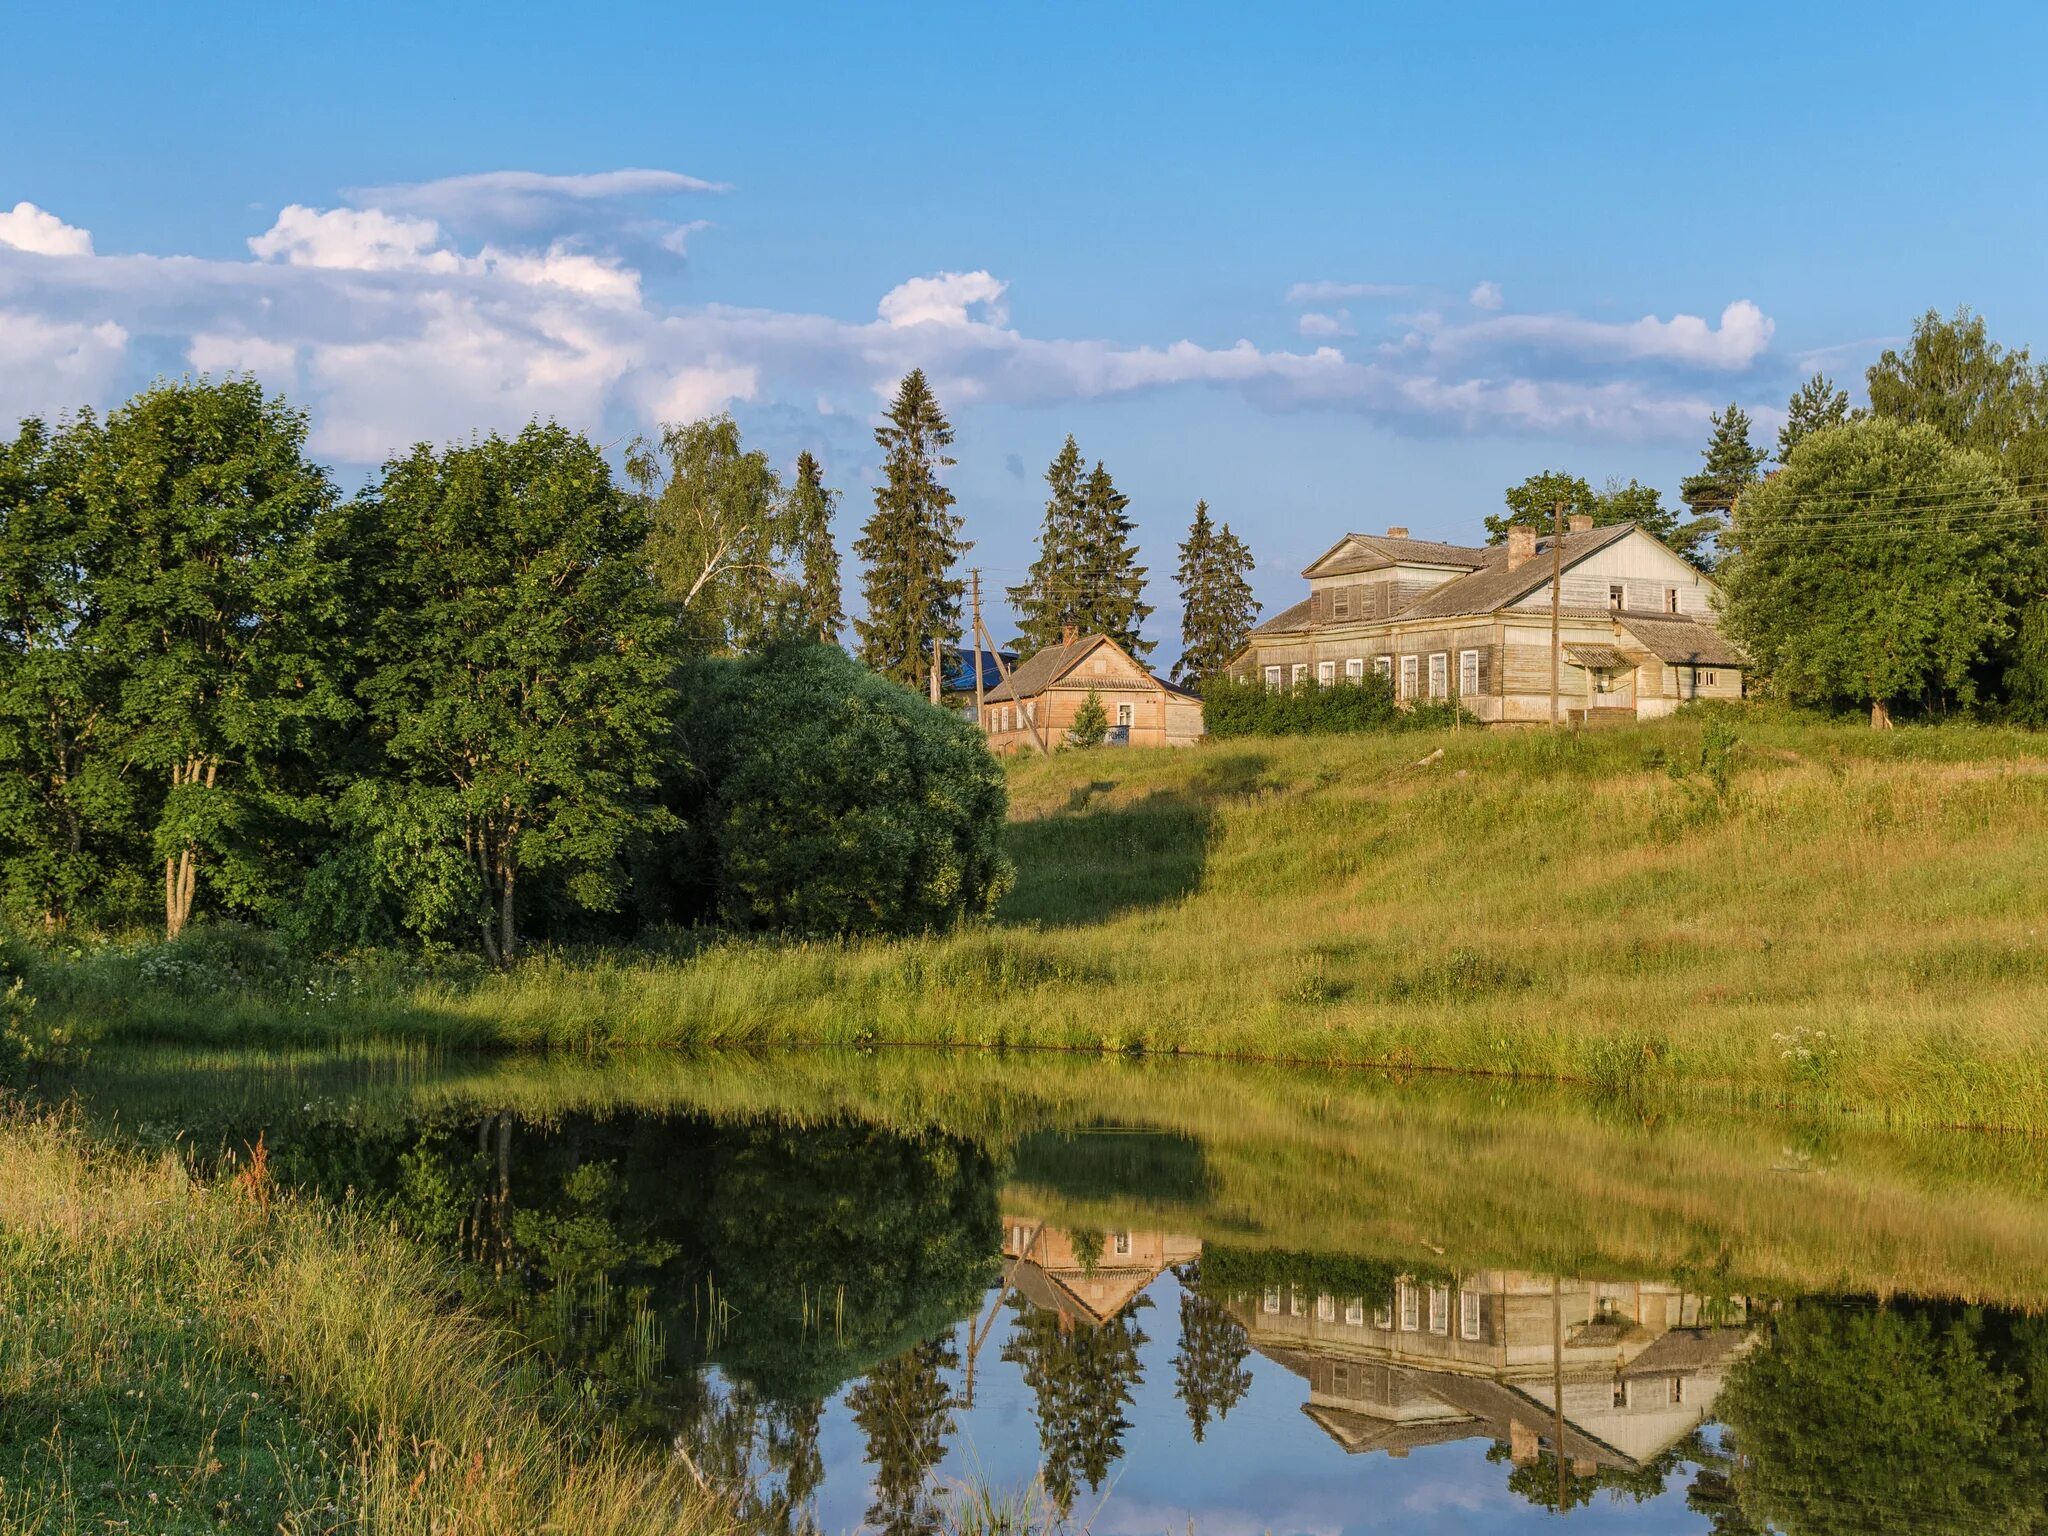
[(912, 542), (719, 531), (1954, 378)]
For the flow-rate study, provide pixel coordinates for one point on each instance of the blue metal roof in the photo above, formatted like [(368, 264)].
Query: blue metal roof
[(958, 676)]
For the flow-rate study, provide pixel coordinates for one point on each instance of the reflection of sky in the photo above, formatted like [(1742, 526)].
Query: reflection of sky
[(1265, 1468)]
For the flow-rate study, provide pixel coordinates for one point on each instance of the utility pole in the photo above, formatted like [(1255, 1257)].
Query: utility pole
[(935, 669), (981, 639), (1557, 1374), (1556, 598), (980, 649)]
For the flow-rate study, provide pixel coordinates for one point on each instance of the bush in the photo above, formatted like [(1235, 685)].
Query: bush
[(831, 801), (1247, 708)]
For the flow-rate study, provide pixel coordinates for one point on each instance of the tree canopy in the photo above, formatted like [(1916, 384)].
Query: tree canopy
[(814, 609), (911, 543), (1814, 406), (719, 529), (1217, 609), (1954, 378)]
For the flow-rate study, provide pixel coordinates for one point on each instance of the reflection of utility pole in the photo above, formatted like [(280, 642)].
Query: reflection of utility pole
[(978, 1331), (1556, 594), (1557, 1323)]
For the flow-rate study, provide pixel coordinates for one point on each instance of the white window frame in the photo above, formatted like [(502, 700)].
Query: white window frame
[(1354, 669), (1123, 715), (1383, 1315), (1269, 1303), (1299, 675), (1411, 1307), (1411, 676), (1708, 679), (1439, 675), (1123, 1243), (1468, 1314), (1294, 1306), (1384, 665), (1468, 666), (1272, 679), (1326, 674), (1326, 1309), (1354, 1312), (1671, 599), (1617, 596), (1440, 1309)]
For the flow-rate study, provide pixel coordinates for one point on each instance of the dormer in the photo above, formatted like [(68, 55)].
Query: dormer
[(1367, 576)]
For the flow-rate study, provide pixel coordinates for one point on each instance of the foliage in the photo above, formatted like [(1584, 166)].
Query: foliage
[(1815, 406), (1082, 1377), (1903, 1417), (1113, 583), (1091, 722), (912, 542), (1243, 1274), (1976, 394), (2026, 674), (834, 802), (904, 1409), (1048, 600), (1209, 1375), (1533, 504), (516, 678), (1841, 595), (719, 525), (1217, 607), (813, 609), (1733, 465), (1233, 708)]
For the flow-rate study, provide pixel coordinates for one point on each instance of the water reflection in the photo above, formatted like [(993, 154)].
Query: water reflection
[(841, 1321)]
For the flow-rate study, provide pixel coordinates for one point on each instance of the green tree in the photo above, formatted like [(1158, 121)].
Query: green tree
[(1955, 379), (1734, 464), (1049, 600), (814, 607), (1112, 600), (1881, 564), (1091, 723), (912, 542), (1533, 503), (1217, 607), (1208, 1370), (905, 1410), (518, 671), (719, 531), (213, 601), (1816, 405), (1081, 1377)]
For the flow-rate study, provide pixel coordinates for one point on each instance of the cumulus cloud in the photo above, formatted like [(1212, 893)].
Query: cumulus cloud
[(392, 327), (526, 199), (1337, 293), (1486, 295), (29, 228)]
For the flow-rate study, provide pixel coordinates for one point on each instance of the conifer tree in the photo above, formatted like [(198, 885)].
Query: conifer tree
[(1048, 600), (911, 542), (1217, 607), (1817, 404), (1091, 722), (815, 605), (1112, 600), (1733, 462)]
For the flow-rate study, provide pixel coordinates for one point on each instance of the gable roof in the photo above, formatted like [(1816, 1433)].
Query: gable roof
[(1043, 669), (1287, 619), (1493, 585), (1685, 642), (1375, 551)]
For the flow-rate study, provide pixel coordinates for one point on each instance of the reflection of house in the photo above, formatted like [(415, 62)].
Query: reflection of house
[(1637, 632), (1048, 690), (1640, 1364), (1092, 1282)]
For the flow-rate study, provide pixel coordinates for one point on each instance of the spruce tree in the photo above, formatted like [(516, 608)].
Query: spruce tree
[(1112, 600), (1047, 601), (815, 610), (1817, 404), (1733, 465), (911, 542), (1217, 608), (1091, 722)]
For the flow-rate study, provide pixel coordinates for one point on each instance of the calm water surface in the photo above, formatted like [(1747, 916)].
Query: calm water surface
[(1252, 1302)]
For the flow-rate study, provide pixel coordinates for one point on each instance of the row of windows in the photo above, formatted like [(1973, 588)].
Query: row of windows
[(1617, 597), (1411, 672), (1004, 718), (1407, 1303)]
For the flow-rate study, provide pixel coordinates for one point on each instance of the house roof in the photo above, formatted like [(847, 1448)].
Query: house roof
[(1377, 551), (1493, 585), (1042, 669), (1687, 1349), (1600, 658), (960, 666), (1287, 619), (1686, 642)]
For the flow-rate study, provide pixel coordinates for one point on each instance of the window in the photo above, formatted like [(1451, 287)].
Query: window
[(1468, 1314), (1383, 1316), (1384, 665), (1439, 675), (1354, 669), (1123, 1242), (1468, 674), (1671, 599), (1440, 1309), (1326, 672), (1340, 603), (1620, 1392), (1354, 1312), (1293, 1301), (1326, 1309), (1411, 668), (1617, 596), (1340, 1377), (1273, 678), (1677, 1390), (1123, 714), (1300, 673), (1707, 679), (1411, 1307), (1019, 1237), (1270, 1302)]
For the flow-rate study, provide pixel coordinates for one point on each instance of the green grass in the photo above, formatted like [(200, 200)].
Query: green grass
[(1857, 924), (179, 1357)]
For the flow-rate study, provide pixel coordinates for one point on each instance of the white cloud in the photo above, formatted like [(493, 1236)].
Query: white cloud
[(1743, 336), (48, 367), (274, 362), (1486, 295), (29, 228), (354, 240), (944, 299), (1316, 323), (524, 199), (690, 394), (1336, 293)]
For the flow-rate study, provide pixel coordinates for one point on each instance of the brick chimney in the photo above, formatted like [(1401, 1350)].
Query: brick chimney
[(1521, 544), (1397, 533), (1581, 522), (1067, 635)]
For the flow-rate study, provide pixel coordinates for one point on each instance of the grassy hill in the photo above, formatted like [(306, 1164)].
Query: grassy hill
[(1819, 914)]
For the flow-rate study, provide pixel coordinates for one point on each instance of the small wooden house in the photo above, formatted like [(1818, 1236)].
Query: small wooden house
[(1048, 689)]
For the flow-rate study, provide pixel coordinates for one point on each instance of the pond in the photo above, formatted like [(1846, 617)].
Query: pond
[(854, 1287)]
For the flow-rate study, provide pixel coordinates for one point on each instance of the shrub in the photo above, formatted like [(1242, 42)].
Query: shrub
[(1231, 707), (831, 801), (1091, 723)]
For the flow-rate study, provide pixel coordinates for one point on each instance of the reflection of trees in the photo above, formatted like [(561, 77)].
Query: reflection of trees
[(1916, 1417), (904, 1408), (1538, 1482), (764, 1456), (1083, 1378), (1208, 1372)]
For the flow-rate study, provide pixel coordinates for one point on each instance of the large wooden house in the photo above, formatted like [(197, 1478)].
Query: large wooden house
[(1637, 628), (1047, 690)]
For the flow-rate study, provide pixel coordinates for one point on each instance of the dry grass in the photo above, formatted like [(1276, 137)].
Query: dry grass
[(180, 1357)]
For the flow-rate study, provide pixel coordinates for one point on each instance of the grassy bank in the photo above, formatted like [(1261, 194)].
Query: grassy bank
[(186, 1358), (1850, 919)]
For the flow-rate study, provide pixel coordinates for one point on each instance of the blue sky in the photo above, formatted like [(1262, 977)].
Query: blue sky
[(1238, 252)]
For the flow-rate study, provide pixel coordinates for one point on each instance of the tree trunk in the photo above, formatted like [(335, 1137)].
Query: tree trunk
[(1880, 716), (508, 931)]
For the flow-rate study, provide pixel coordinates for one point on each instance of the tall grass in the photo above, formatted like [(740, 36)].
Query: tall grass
[(1855, 922), (179, 1357)]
